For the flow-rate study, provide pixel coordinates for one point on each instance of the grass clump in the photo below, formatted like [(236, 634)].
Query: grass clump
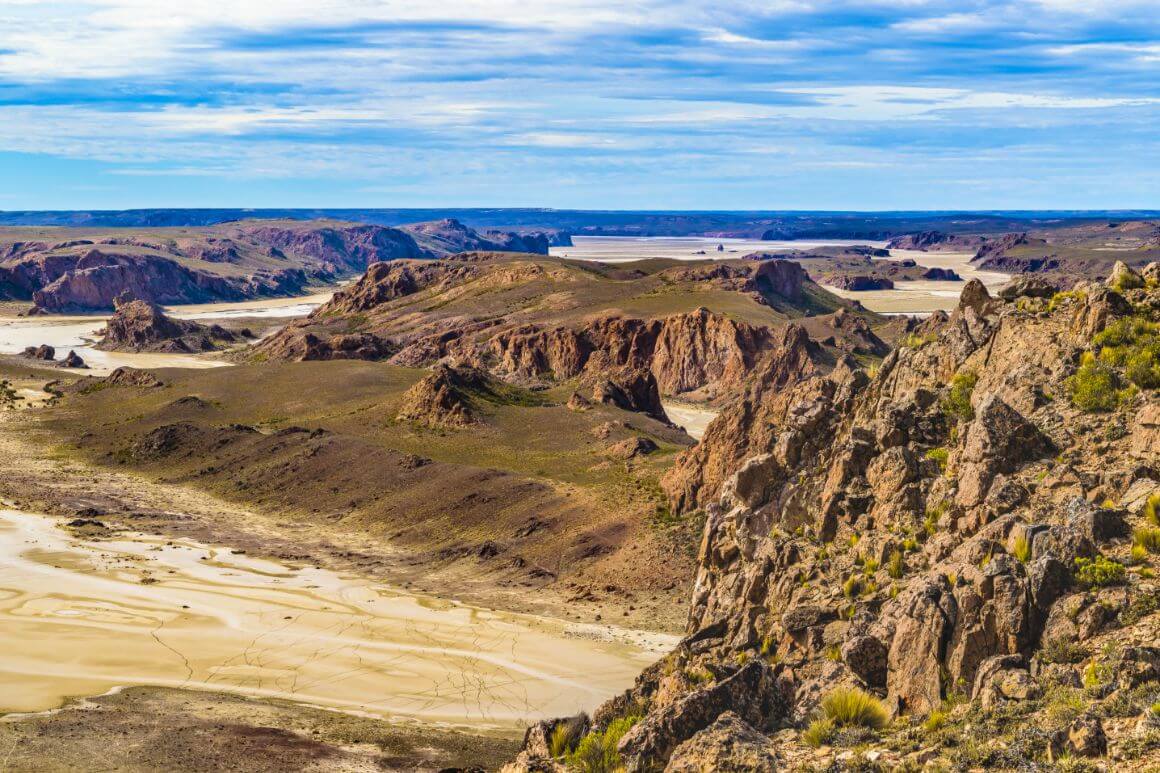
[(1060, 298), (1022, 549), (851, 707), (933, 514), (8, 395), (1147, 537), (895, 566), (853, 586), (597, 753), (957, 402), (1098, 572), (819, 733), (1062, 650), (565, 736), (917, 341), (935, 721)]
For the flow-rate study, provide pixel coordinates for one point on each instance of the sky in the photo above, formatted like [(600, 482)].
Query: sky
[(593, 104)]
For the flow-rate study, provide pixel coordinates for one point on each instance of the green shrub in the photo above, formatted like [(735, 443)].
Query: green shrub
[(1095, 676), (597, 753), (1142, 366), (820, 732), (1098, 572), (851, 707), (896, 568), (1022, 549), (1062, 650), (916, 341), (1094, 387), (1059, 298), (1125, 332), (870, 565), (957, 402), (853, 586), (1147, 537), (940, 456)]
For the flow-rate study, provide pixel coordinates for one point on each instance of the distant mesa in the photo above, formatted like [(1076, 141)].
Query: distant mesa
[(141, 326)]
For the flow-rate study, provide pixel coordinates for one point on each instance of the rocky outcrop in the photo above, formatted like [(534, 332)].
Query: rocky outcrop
[(781, 278), (442, 399), (73, 360), (935, 240), (42, 352), (449, 236), (140, 326), (632, 389), (387, 281), (780, 393), (861, 282), (298, 345), (94, 280)]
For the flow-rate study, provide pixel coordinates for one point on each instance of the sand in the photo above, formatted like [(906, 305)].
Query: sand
[(620, 249), (83, 615), (923, 296), (693, 418)]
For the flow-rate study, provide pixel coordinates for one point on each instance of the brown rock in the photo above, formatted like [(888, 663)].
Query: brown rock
[(729, 745)]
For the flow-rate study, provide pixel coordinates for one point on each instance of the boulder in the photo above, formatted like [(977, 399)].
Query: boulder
[(73, 360), (866, 657), (632, 390), (1086, 737), (42, 352), (1123, 277), (729, 745), (999, 440), (1026, 286), (751, 693)]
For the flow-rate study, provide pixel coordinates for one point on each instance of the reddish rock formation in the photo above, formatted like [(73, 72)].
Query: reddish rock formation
[(442, 398), (140, 326)]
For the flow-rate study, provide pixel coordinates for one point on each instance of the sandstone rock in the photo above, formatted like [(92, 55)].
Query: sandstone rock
[(1123, 277), (631, 448), (997, 441), (140, 326), (728, 745), (783, 278)]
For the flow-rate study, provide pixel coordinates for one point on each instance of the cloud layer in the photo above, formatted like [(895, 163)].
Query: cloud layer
[(580, 103)]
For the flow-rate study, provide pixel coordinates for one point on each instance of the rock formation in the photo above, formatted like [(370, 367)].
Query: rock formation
[(442, 398), (140, 326)]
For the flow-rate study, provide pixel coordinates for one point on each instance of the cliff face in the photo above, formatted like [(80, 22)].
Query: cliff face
[(925, 533), (449, 236)]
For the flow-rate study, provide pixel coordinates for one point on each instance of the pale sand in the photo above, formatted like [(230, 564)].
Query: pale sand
[(80, 333), (693, 418), (924, 296), (81, 617), (620, 249)]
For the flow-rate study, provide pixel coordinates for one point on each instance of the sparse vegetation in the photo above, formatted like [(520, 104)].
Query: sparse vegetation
[(940, 456), (1147, 537), (597, 752), (1098, 572), (1152, 510), (896, 568), (957, 402), (851, 707), (1022, 549), (565, 736), (1062, 650), (8, 395), (819, 733), (1095, 386)]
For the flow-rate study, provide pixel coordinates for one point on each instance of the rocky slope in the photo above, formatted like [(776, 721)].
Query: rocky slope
[(947, 561), (140, 326)]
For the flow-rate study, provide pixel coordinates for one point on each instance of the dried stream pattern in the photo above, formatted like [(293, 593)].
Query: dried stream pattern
[(81, 617)]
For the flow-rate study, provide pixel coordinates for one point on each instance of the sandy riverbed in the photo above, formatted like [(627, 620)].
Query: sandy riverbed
[(82, 616), (924, 296), (621, 249), (693, 418)]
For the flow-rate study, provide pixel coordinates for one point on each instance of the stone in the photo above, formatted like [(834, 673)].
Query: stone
[(73, 360), (866, 657), (1086, 738), (729, 745), (1027, 286)]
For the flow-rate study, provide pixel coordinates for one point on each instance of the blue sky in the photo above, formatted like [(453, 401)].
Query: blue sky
[(671, 104)]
